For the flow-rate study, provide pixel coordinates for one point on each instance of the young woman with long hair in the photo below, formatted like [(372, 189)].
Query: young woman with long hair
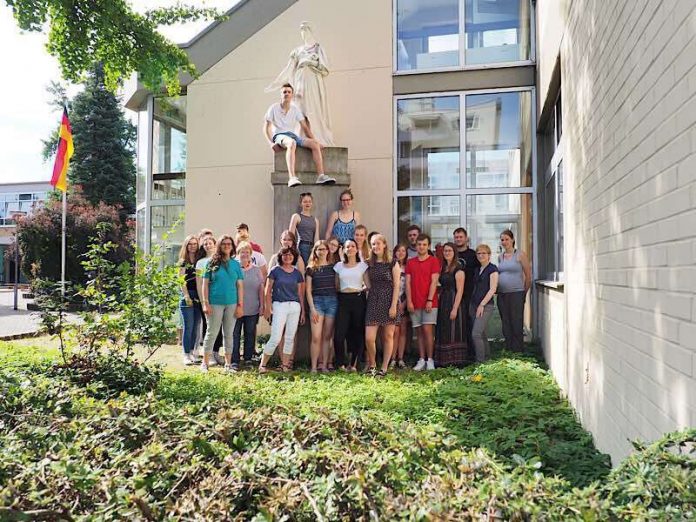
[(334, 255), (285, 298), (208, 245), (253, 306), (360, 238), (305, 226), (322, 301), (383, 279), (451, 331), (342, 222), (287, 240), (223, 298), (350, 320), (189, 302), (400, 255)]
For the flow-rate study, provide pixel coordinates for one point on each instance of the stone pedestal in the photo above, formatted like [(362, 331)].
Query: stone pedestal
[(286, 201)]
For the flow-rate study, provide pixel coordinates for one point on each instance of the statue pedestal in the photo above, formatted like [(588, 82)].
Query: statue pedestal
[(286, 201)]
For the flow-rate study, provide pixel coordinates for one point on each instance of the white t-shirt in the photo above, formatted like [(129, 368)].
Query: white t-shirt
[(284, 121), (201, 265), (257, 259), (350, 277)]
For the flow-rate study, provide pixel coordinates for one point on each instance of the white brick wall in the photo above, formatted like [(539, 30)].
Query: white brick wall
[(628, 70)]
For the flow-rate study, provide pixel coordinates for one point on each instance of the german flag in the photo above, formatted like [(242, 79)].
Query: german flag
[(65, 152)]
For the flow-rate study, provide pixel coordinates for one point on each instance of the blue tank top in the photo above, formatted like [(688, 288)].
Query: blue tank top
[(344, 231)]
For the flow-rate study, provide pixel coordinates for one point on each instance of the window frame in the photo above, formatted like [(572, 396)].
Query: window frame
[(463, 66), (463, 191)]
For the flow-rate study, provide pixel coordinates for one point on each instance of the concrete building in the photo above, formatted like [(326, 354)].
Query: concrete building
[(16, 197), (579, 135)]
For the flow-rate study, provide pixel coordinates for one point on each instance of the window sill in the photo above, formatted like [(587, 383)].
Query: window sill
[(554, 285)]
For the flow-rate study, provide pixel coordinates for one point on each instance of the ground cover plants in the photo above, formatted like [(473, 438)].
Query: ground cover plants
[(447, 445)]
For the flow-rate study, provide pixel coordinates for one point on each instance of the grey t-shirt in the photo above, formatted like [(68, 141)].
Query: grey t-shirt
[(253, 280)]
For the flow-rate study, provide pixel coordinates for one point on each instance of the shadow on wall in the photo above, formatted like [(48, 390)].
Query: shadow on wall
[(620, 325)]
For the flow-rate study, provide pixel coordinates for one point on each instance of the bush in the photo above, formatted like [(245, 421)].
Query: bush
[(65, 456)]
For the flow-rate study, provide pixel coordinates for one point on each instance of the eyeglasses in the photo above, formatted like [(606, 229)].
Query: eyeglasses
[(343, 200), (286, 254), (320, 249), (226, 243), (482, 254)]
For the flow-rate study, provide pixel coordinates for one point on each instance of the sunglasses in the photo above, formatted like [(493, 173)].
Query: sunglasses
[(306, 194)]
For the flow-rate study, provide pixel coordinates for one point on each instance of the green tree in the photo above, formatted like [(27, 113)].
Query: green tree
[(104, 160), (84, 32)]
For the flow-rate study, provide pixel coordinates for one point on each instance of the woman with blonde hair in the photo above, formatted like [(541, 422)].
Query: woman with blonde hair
[(320, 284), (360, 238), (383, 279), (189, 302), (481, 305), (253, 306)]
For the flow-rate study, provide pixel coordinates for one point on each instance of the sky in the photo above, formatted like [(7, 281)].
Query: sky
[(25, 116)]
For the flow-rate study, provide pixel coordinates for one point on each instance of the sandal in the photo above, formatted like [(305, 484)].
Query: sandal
[(263, 369), (286, 368), (370, 371), (380, 374)]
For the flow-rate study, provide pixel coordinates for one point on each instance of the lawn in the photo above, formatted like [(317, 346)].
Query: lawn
[(495, 438)]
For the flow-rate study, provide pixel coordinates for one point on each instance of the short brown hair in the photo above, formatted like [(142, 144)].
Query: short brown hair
[(243, 226), (287, 85), (286, 250), (423, 237)]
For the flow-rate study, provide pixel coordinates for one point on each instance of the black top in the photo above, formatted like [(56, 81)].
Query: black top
[(323, 280), (470, 264), (190, 278), (482, 284)]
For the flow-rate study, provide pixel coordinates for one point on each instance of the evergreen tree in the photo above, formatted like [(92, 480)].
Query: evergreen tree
[(104, 159)]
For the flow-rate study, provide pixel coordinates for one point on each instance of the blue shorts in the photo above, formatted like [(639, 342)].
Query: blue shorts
[(326, 305), (298, 140)]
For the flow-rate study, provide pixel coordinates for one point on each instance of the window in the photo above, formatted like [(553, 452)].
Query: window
[(552, 195), (449, 34), (12, 202), (489, 188)]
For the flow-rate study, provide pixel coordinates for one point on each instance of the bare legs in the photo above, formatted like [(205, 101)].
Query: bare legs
[(387, 345), (425, 341), (315, 147)]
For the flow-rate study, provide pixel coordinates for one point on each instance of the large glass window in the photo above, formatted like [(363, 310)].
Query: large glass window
[(141, 171), (552, 194), (499, 140), (162, 220), (169, 136), (488, 215), (427, 34), (12, 202), (436, 215), (497, 31), (437, 34), (428, 143)]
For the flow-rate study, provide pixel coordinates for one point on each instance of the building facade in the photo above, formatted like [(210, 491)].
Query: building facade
[(562, 143), (16, 197)]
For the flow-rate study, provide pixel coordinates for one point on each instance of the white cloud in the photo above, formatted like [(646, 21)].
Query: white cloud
[(25, 116)]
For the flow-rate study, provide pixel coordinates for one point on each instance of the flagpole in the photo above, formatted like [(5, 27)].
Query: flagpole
[(62, 244)]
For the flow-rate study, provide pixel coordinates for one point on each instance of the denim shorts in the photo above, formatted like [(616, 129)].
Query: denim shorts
[(278, 136), (420, 317), (326, 305)]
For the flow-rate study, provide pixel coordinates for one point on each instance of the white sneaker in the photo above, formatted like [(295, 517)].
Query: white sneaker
[(293, 181), (420, 365), (204, 368), (196, 354), (430, 364), (188, 360), (323, 178), (231, 368)]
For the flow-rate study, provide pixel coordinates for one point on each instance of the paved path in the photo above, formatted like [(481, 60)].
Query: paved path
[(14, 323)]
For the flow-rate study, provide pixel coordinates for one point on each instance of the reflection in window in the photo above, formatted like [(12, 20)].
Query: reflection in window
[(428, 143), (140, 229), (162, 219), (141, 167), (488, 215), (169, 188), (427, 34), (169, 135), (497, 31), (437, 216), (499, 140)]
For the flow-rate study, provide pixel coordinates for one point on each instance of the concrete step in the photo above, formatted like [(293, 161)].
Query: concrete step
[(335, 161), (308, 179)]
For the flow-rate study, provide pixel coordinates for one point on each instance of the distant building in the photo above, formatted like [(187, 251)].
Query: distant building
[(16, 197)]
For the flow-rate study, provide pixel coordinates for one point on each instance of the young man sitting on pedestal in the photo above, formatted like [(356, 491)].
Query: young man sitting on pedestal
[(283, 123)]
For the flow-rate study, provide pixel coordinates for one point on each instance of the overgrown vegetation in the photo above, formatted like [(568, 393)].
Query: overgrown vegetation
[(305, 447)]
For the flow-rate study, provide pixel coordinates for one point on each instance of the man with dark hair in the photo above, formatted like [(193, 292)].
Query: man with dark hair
[(283, 123), (412, 233), (470, 264), (422, 275)]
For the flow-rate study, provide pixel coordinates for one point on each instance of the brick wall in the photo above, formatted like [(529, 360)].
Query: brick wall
[(628, 72)]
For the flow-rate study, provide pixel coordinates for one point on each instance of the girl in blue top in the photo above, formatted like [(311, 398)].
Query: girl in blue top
[(342, 223), (222, 299)]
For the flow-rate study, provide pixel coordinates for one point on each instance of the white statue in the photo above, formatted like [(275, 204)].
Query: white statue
[(305, 71)]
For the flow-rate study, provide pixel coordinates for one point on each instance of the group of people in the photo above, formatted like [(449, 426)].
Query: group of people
[(350, 287)]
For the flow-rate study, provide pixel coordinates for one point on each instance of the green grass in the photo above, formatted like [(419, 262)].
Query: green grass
[(512, 407)]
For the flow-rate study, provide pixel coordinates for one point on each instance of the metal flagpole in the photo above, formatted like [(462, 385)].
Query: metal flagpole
[(62, 244)]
